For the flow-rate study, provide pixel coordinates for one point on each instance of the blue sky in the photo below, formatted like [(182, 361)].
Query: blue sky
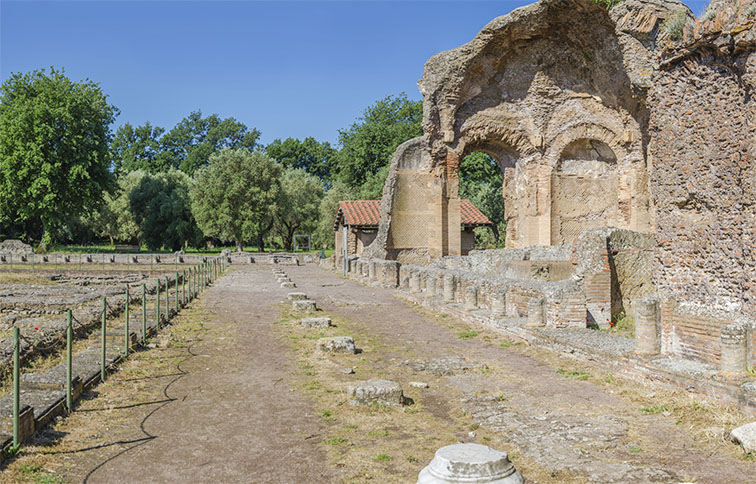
[(290, 69)]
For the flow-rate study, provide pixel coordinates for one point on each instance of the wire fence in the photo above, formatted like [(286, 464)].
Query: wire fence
[(185, 288)]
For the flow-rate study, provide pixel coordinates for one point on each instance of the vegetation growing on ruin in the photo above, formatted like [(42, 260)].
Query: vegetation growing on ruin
[(674, 26), (608, 4)]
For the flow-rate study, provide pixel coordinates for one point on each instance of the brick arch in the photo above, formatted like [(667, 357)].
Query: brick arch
[(591, 131)]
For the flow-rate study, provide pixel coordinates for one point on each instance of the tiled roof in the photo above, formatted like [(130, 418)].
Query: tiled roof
[(470, 215), (367, 213), (361, 213)]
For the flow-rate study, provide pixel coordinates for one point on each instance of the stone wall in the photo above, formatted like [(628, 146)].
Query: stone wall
[(555, 92), (703, 180)]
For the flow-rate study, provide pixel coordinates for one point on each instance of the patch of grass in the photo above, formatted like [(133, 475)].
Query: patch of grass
[(326, 414), (37, 474), (653, 409), (28, 278), (634, 450), (412, 459), (336, 441), (382, 458), (574, 374), (467, 334), (312, 385), (623, 325)]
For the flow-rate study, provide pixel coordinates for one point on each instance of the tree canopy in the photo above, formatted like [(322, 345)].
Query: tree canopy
[(54, 157), (368, 144), (235, 195), (190, 143), (138, 149), (310, 155), (481, 181), (298, 205), (115, 219), (160, 206)]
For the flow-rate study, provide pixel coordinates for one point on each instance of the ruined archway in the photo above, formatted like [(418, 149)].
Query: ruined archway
[(583, 190), (527, 86)]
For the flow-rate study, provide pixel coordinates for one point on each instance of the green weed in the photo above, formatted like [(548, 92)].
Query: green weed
[(467, 334)]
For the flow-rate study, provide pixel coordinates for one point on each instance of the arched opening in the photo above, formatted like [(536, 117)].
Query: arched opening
[(482, 180), (584, 193)]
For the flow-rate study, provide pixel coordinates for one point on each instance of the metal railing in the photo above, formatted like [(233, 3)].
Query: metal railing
[(200, 275)]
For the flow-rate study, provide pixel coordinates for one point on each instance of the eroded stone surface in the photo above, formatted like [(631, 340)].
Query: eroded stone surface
[(296, 296), (445, 365), (375, 392), (745, 435), (304, 305), (315, 322), (561, 442), (337, 344), (288, 285)]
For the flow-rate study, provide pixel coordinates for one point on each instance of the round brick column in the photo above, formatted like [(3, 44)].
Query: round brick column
[(414, 281), (449, 288), (733, 344), (431, 283), (647, 331), (499, 304), (536, 311), (471, 298)]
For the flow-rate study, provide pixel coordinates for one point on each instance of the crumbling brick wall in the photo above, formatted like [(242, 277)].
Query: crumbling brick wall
[(703, 180)]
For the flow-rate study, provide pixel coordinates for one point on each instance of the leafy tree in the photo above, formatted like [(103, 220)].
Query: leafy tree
[(137, 148), (369, 144), (481, 182), (160, 205), (327, 212), (190, 143), (54, 158), (372, 189), (234, 196), (310, 155), (115, 220), (297, 205)]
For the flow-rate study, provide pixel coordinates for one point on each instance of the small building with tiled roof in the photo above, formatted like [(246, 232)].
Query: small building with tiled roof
[(356, 223)]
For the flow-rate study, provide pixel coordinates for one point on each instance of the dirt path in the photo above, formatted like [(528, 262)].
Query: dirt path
[(235, 392), (571, 427), (219, 410)]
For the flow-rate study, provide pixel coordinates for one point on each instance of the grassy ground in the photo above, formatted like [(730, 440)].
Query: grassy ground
[(708, 422), (145, 374)]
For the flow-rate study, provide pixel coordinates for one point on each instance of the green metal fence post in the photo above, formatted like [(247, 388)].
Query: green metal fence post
[(103, 339), (126, 329), (69, 361), (177, 292), (167, 301), (144, 314), (16, 389), (157, 305)]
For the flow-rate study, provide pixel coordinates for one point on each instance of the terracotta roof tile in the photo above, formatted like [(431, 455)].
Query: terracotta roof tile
[(367, 213), (470, 215)]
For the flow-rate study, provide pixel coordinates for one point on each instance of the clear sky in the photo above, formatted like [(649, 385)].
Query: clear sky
[(289, 69)]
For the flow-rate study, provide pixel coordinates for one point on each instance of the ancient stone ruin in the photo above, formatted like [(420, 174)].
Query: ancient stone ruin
[(626, 152)]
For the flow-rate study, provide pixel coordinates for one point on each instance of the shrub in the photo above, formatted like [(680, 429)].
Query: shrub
[(608, 4), (674, 26)]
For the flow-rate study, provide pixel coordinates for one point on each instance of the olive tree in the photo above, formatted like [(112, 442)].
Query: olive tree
[(234, 197)]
